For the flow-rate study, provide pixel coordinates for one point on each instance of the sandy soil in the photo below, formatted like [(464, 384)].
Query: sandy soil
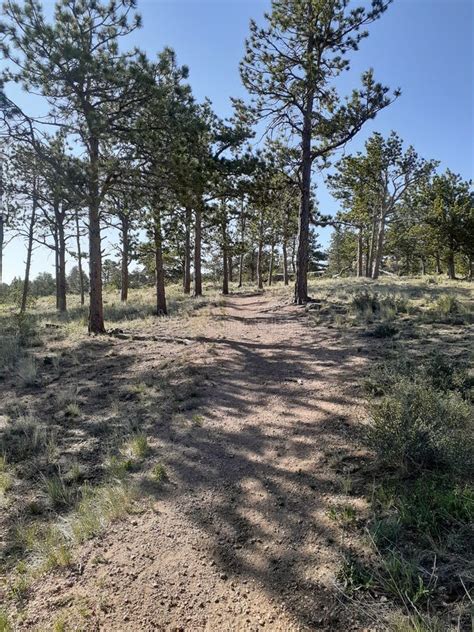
[(238, 538)]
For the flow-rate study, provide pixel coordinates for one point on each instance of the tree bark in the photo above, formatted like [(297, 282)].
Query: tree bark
[(61, 281), (259, 265), (159, 269), (29, 250), (96, 307), (197, 252), (451, 265), (372, 245), (285, 263), (360, 249), (125, 230), (379, 246), (301, 282), (79, 259), (2, 238), (230, 266), (438, 263), (187, 251), (272, 262), (242, 239), (225, 260)]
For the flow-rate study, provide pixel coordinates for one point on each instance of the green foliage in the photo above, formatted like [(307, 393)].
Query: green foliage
[(158, 473), (415, 428), (5, 625)]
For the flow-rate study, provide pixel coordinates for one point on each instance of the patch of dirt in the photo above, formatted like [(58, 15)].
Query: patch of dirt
[(238, 537)]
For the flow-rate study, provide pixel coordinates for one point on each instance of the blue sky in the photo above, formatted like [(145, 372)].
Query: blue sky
[(425, 47)]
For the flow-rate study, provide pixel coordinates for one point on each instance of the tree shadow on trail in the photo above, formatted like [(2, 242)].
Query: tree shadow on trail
[(258, 477)]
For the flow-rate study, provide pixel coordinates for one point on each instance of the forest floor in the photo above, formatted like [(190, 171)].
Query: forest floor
[(238, 426)]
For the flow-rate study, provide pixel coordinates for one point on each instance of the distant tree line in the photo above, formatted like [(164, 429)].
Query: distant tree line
[(122, 145)]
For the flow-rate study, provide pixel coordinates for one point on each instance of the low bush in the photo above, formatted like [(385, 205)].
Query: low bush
[(416, 427)]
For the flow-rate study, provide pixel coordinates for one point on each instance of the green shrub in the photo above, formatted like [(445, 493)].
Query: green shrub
[(365, 304), (9, 351), (416, 428)]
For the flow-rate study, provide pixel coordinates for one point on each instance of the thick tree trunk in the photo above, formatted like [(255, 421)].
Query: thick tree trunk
[(29, 250), (79, 260), (379, 247), (230, 266), (159, 269), (451, 265), (187, 251), (62, 306), (56, 263), (197, 252), (301, 282), (272, 263), (360, 250), (285, 263), (125, 230), (96, 307), (252, 265)]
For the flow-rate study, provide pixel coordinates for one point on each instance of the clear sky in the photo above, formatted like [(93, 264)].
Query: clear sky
[(425, 47)]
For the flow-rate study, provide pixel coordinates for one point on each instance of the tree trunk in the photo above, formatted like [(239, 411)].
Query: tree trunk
[(451, 266), (379, 247), (56, 263), (285, 263), (360, 249), (372, 245), (438, 263), (252, 265), (96, 307), (259, 265), (62, 306), (197, 252), (2, 237), (423, 266), (187, 251), (225, 261), (159, 270), (125, 230), (79, 259), (272, 262), (301, 282), (29, 250), (242, 239), (230, 266)]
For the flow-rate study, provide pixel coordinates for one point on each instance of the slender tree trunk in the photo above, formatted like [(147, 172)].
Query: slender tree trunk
[(360, 250), (29, 250), (293, 256), (372, 245), (471, 269), (125, 230), (285, 262), (79, 259), (242, 239), (272, 262), (187, 251), (379, 247), (438, 263), (2, 237), (230, 266), (197, 252), (159, 269), (225, 260), (62, 301), (423, 266), (96, 307), (56, 263), (259, 265)]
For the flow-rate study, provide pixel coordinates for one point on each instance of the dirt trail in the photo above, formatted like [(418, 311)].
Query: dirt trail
[(239, 537)]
